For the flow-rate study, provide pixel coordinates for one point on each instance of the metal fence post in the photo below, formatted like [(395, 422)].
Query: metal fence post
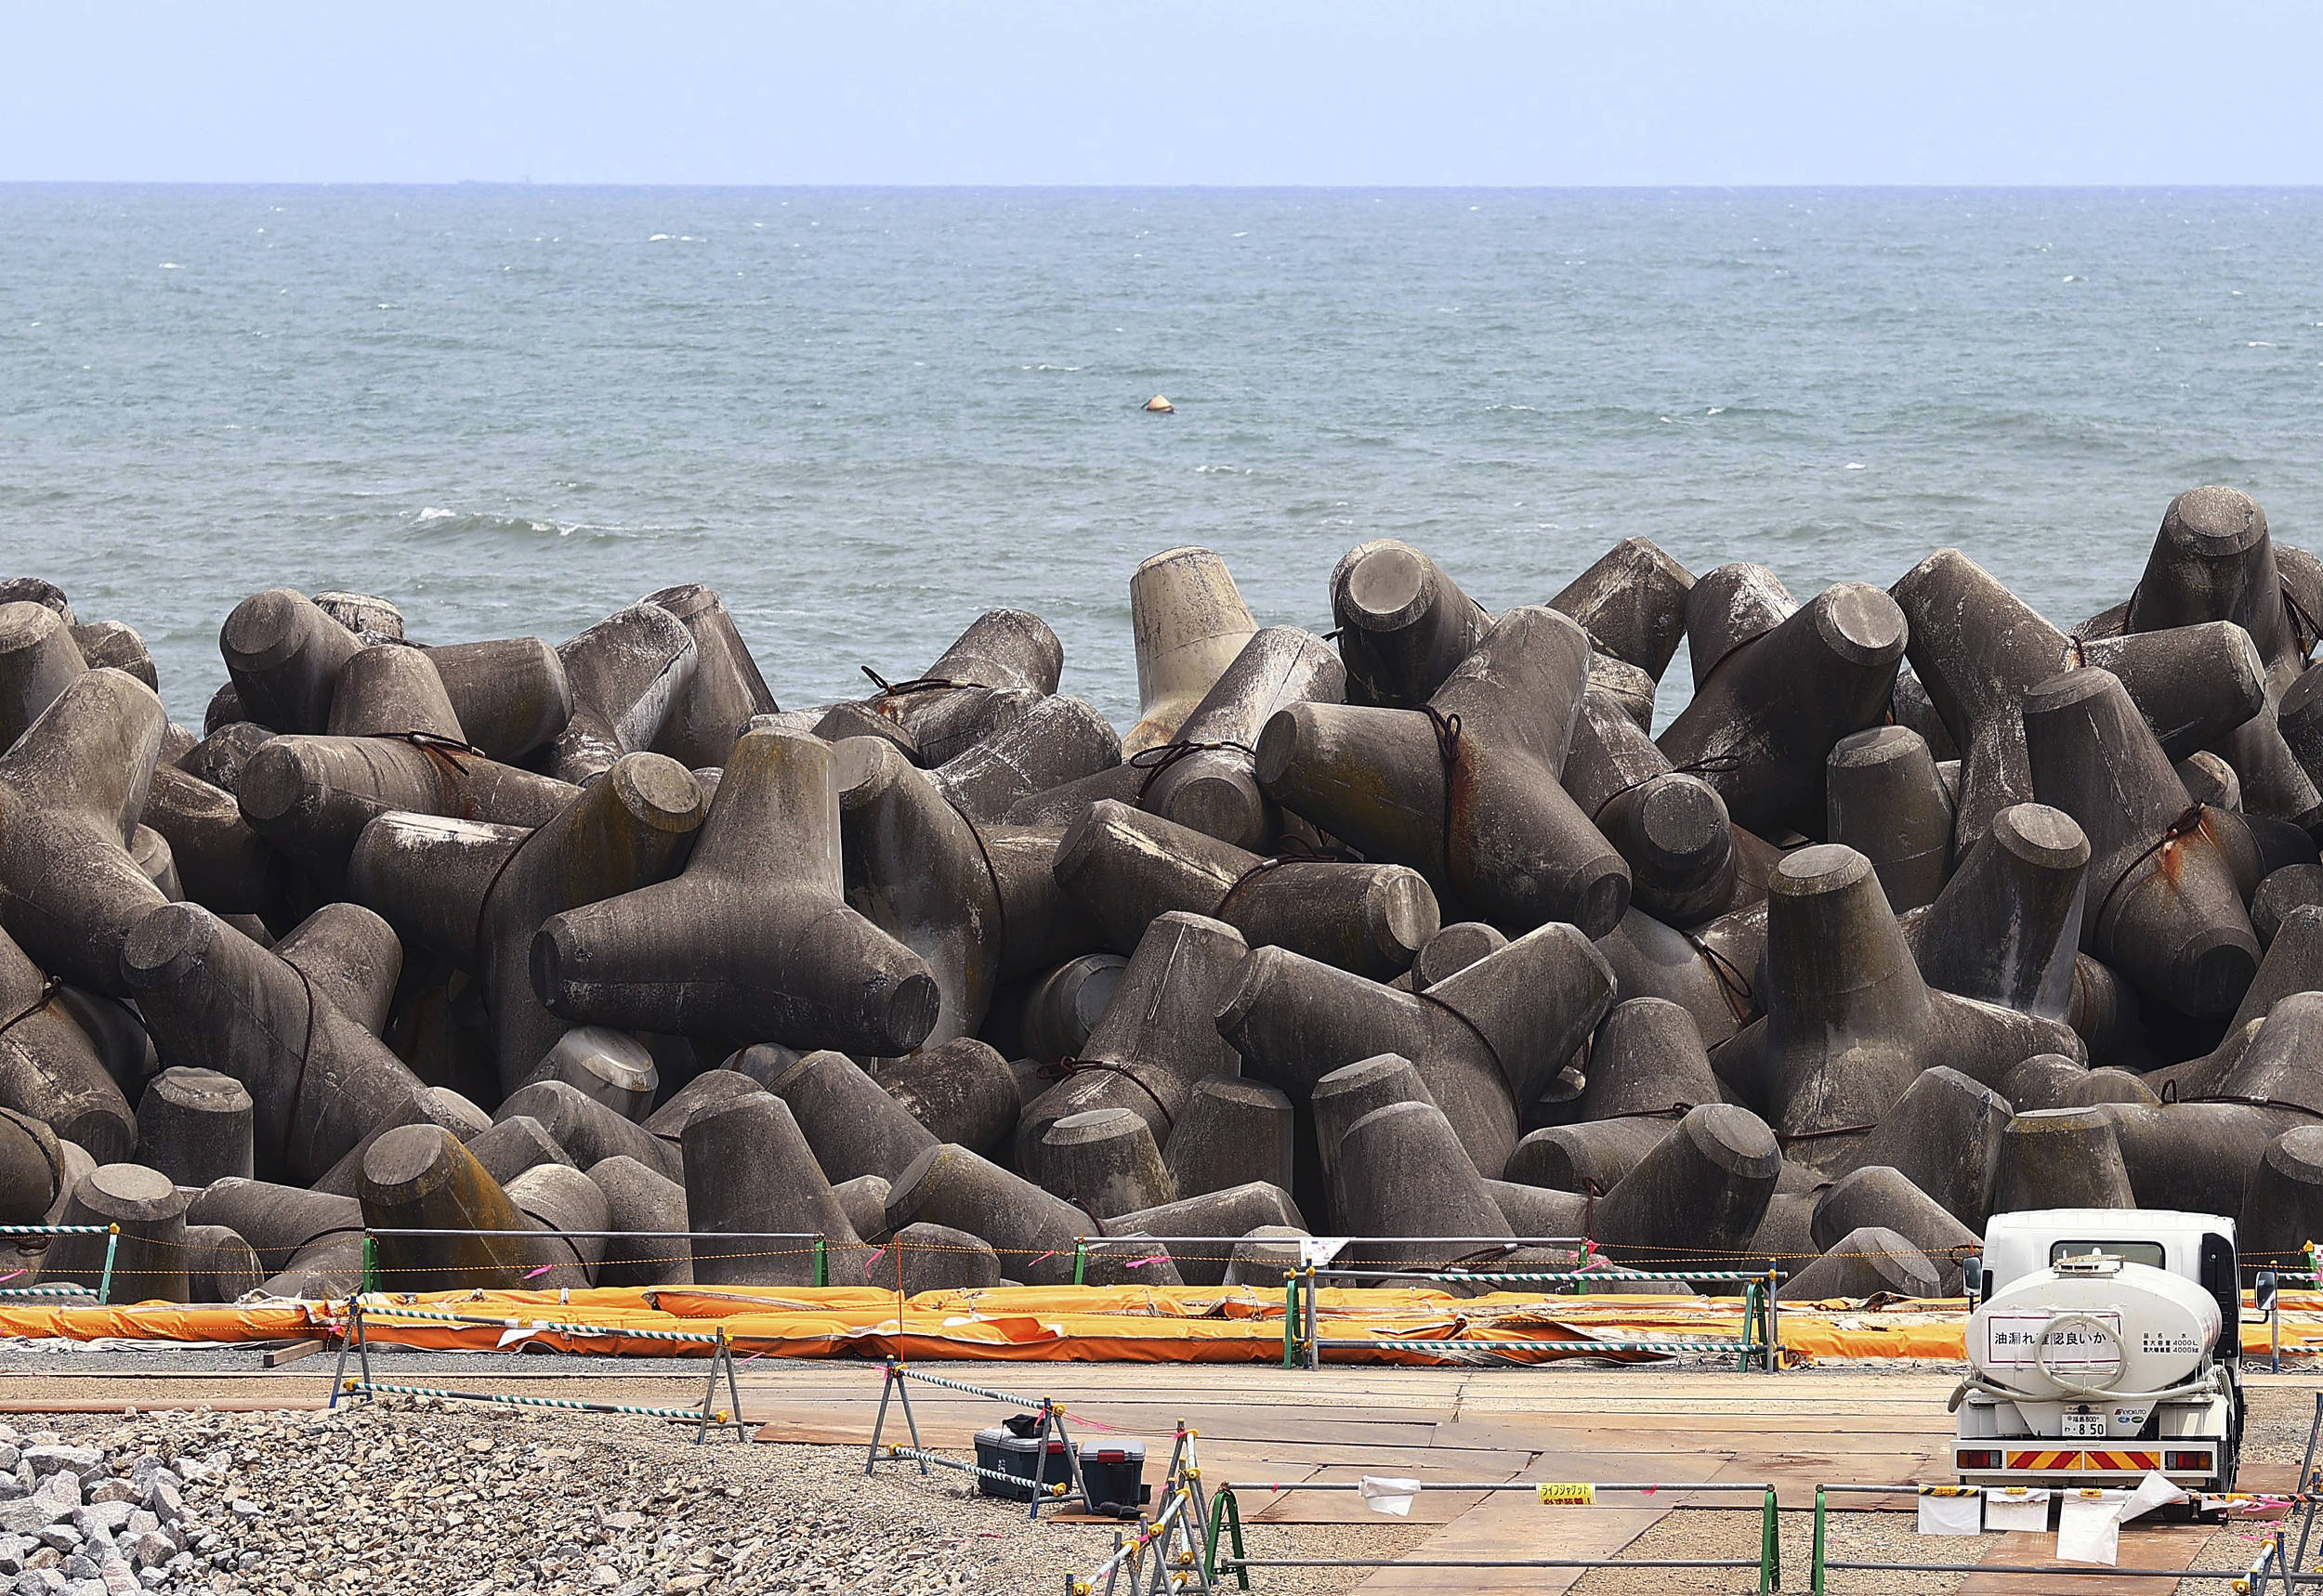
[(1769, 1548), (1081, 1261), (1816, 1555), (1290, 1317), (822, 1261), (105, 1281), (371, 1262)]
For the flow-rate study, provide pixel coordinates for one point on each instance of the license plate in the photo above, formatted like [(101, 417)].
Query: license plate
[(2084, 1426)]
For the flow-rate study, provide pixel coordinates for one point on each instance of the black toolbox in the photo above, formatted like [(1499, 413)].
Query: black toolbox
[(1115, 1476), (998, 1448)]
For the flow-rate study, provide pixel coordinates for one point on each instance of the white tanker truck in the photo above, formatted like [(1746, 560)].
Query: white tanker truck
[(2104, 1345)]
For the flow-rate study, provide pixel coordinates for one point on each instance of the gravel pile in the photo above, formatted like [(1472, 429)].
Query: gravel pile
[(435, 1499)]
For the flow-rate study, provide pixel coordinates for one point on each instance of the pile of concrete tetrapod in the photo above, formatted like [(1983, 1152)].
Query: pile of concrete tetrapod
[(1921, 910)]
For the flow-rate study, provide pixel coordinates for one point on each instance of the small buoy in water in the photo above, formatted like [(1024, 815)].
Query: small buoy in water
[(1160, 405)]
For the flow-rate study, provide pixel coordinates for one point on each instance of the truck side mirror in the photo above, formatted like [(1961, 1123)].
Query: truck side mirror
[(2263, 1291), (1972, 1277)]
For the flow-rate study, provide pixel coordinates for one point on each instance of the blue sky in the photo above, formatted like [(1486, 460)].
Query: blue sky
[(1356, 92)]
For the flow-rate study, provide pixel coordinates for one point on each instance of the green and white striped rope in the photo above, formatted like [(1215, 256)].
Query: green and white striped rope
[(55, 1229), (48, 1291), (570, 1405), (375, 1310), (1690, 1346), (1054, 1487), (899, 1371)]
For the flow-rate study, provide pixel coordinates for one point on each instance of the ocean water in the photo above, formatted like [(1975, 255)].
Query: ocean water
[(864, 416)]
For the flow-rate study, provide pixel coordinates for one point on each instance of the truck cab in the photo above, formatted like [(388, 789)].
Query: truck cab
[(2103, 1344)]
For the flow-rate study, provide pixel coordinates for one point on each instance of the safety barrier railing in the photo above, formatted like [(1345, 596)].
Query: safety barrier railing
[(2272, 1565), (1759, 1342), (708, 1417), (112, 1233), (1176, 1540), (1226, 1518), (819, 1245), (1052, 1416)]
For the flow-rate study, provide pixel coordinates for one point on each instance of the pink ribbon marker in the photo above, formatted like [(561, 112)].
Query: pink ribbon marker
[(1042, 1258), (536, 1274), (1157, 1258), (11, 1274), (872, 1262)]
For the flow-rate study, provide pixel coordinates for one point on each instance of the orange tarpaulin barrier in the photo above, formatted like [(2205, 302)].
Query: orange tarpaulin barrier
[(1141, 1324)]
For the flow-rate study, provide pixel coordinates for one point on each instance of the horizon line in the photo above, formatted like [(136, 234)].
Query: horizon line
[(885, 187)]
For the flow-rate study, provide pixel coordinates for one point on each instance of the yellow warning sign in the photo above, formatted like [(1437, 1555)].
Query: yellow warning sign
[(1568, 1494)]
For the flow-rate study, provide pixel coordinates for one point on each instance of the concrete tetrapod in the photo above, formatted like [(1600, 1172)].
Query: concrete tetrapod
[(2293, 886), (350, 959), (33, 1173), (312, 796), (222, 864), (71, 789), (393, 691), (754, 938), (150, 1262), (1468, 792), (725, 688), (1487, 1038), (1188, 623), (1867, 1262), (1879, 1196), (566, 1206), (1158, 1035), (2006, 926), (586, 1130), (1066, 1003), (962, 1090), (1631, 602), (1399, 1171), (511, 693), (1647, 1069), (1205, 778), (1345, 1095), (1886, 801), (626, 673), (508, 1147), (51, 1067), (1710, 971), (1701, 1192), (2060, 1158), (1761, 743), (1032, 1231), (311, 1241), (221, 1265), (2165, 909), (39, 660), (1126, 868), (1229, 1132), (936, 1258), (2283, 1206), (637, 1198), (864, 1201), (1452, 950), (1006, 661), (419, 1177), (748, 1168), (2212, 560), (854, 1126), (1729, 606), (1216, 1219), (612, 1066), (283, 656), (1104, 1162), (1403, 624), (477, 895), (916, 869), (212, 997), (1058, 742), (193, 1125), (1850, 1024), (1670, 827), (1943, 1135)]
